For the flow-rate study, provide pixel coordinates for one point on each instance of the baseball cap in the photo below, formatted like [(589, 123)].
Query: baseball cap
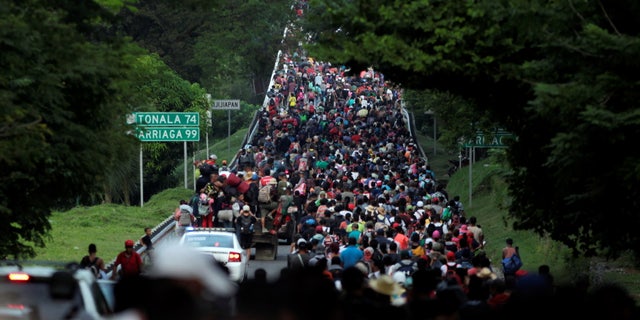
[(128, 243), (213, 156), (451, 255), (246, 208)]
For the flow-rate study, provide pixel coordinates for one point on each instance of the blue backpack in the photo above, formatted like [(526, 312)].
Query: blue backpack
[(512, 264)]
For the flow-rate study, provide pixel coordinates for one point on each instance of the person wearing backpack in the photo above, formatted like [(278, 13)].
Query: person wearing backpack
[(184, 217), (406, 265), (511, 261), (251, 196), (93, 262), (205, 210), (194, 202), (245, 224)]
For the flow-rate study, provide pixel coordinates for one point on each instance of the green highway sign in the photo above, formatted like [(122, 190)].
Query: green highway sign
[(167, 119), (490, 140), (168, 134)]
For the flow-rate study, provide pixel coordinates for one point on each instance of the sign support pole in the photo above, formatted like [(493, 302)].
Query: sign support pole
[(141, 180), (185, 164), (227, 105)]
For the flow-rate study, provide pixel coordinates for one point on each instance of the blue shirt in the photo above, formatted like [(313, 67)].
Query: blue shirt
[(350, 255)]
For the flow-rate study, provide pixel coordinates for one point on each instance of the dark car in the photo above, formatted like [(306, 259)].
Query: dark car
[(50, 292)]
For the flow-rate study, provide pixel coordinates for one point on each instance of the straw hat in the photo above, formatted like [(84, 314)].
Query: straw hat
[(385, 285), (485, 273)]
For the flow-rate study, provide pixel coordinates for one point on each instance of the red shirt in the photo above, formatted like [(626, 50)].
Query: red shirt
[(402, 240), (265, 180), (131, 266)]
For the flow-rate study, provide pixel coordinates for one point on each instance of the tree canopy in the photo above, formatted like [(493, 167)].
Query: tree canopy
[(560, 75), (62, 122), (72, 72)]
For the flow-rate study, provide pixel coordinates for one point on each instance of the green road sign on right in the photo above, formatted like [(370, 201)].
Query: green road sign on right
[(490, 140)]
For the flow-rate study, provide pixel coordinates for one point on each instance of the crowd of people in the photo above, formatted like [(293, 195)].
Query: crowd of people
[(377, 236)]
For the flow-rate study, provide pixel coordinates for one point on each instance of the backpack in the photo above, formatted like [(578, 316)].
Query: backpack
[(252, 194), (203, 206), (92, 266), (246, 224), (407, 269), (185, 218), (264, 194), (512, 264), (195, 204), (447, 213), (452, 277)]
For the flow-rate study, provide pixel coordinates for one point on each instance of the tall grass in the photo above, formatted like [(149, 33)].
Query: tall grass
[(108, 226)]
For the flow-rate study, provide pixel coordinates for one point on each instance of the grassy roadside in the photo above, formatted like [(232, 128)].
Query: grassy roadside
[(109, 225)]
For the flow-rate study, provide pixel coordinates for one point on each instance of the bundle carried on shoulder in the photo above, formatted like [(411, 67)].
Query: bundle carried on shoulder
[(264, 193), (233, 179), (512, 264)]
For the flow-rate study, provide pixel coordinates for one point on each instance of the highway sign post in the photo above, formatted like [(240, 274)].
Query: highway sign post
[(227, 105), (496, 139), (166, 127)]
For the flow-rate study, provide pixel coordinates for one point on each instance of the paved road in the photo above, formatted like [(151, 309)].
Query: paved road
[(273, 267)]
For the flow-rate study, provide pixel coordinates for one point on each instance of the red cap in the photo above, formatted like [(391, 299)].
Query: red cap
[(128, 243), (319, 229), (451, 255)]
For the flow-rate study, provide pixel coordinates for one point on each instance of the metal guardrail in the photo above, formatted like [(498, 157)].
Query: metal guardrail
[(157, 234)]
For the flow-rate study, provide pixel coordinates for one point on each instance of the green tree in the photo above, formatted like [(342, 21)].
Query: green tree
[(561, 75), (62, 120), (165, 91)]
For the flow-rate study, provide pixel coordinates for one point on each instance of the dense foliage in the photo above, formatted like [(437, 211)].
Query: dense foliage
[(63, 116), (70, 76), (561, 75)]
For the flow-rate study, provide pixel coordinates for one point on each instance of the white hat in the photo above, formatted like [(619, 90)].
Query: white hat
[(246, 208), (386, 285), (213, 157), (420, 204), (169, 262)]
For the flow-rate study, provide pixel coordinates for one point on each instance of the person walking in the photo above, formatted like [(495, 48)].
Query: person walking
[(245, 224), (93, 262), (478, 234), (148, 244), (184, 217), (129, 261), (511, 261), (351, 254)]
